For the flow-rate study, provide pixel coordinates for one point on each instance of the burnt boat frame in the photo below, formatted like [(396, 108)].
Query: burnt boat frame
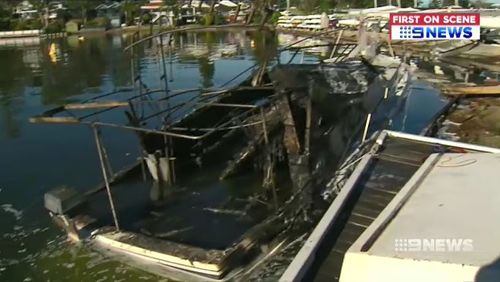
[(170, 131)]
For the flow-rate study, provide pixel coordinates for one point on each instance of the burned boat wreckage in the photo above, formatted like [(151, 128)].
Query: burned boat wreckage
[(282, 133)]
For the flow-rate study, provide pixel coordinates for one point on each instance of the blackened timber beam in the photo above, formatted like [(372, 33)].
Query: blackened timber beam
[(291, 139)]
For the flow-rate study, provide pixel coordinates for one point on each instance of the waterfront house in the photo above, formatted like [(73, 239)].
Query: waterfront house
[(56, 8), (112, 11), (25, 10), (156, 9)]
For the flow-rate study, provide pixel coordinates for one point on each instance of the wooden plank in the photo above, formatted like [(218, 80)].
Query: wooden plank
[(291, 138), (95, 105), (113, 240), (472, 90), (62, 120)]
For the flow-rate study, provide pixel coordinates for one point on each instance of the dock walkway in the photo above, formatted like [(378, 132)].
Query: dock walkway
[(381, 181)]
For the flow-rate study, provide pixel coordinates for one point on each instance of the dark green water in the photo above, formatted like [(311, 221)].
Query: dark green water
[(37, 158)]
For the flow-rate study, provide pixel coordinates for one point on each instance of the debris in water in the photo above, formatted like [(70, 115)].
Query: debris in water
[(173, 232), (68, 265), (225, 211), (9, 209)]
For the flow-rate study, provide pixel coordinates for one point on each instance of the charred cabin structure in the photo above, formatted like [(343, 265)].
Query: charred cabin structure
[(278, 138)]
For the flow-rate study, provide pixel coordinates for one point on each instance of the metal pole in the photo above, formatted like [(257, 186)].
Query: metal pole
[(170, 39), (169, 150), (167, 156), (367, 125), (336, 43), (132, 74), (143, 165), (307, 137), (164, 69), (106, 159), (105, 174), (264, 126)]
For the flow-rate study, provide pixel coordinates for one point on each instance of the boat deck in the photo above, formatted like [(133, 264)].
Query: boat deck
[(380, 182)]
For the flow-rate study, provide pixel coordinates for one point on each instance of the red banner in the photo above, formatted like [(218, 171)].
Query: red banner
[(435, 19)]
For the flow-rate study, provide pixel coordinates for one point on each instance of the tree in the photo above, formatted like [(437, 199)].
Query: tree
[(43, 10), (464, 3), (170, 2), (435, 4), (5, 10), (82, 5), (478, 4), (130, 10)]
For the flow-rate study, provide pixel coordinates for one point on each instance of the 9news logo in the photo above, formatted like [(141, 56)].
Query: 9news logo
[(437, 26)]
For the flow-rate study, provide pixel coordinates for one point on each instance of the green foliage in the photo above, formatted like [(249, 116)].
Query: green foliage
[(99, 22), (5, 15), (275, 17), (219, 19), (212, 19), (435, 4), (319, 6), (55, 26), (207, 19), (170, 2), (73, 26), (5, 11), (4, 24), (81, 6), (130, 10), (146, 18), (481, 4), (309, 6), (26, 24), (464, 3)]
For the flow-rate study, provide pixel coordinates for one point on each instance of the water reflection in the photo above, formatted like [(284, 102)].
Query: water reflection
[(59, 69)]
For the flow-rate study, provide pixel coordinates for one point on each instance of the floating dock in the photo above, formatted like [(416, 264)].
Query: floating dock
[(378, 183), (439, 227)]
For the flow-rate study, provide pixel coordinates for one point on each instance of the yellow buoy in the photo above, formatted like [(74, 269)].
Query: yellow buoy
[(52, 49), (53, 53)]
